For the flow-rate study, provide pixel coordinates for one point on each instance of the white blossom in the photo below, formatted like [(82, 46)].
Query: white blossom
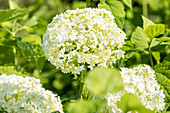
[(26, 95), (83, 36), (141, 81)]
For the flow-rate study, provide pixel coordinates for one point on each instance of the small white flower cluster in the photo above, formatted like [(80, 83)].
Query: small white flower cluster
[(83, 36), (141, 81), (26, 95)]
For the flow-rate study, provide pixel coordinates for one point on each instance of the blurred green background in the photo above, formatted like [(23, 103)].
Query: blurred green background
[(22, 51)]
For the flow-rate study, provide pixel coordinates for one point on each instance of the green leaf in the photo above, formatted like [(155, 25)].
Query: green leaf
[(81, 107), (146, 22), (87, 94), (117, 10), (103, 80), (12, 14), (9, 70), (165, 85), (36, 39), (156, 55), (163, 39), (13, 5), (164, 81), (130, 102), (163, 68), (105, 6), (128, 3), (33, 52), (167, 58), (153, 31), (138, 38), (129, 50)]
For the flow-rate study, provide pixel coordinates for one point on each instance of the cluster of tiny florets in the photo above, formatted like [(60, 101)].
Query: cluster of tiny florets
[(141, 81), (83, 36), (26, 95)]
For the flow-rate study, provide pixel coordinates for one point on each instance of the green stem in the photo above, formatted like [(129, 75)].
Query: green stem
[(15, 57), (82, 83), (145, 8), (14, 28), (150, 56), (150, 53)]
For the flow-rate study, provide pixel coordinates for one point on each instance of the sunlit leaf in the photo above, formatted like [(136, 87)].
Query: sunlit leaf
[(128, 3), (146, 22), (102, 80), (81, 107), (117, 10), (163, 39), (138, 38), (13, 4), (156, 55), (9, 70), (130, 102), (153, 31)]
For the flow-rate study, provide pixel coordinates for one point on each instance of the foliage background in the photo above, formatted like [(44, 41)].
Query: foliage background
[(21, 51)]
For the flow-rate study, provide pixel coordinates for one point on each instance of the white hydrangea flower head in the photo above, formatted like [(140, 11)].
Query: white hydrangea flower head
[(26, 95), (83, 36), (141, 81)]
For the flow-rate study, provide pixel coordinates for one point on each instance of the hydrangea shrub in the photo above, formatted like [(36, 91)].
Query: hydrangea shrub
[(83, 36), (141, 81), (26, 95)]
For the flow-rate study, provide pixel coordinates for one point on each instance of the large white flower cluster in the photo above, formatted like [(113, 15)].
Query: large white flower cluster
[(83, 36), (26, 95), (141, 81)]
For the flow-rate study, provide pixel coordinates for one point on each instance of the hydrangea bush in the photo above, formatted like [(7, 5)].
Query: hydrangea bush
[(83, 36), (140, 80), (82, 40), (26, 95)]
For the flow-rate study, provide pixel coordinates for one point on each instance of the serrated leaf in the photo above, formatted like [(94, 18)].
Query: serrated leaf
[(156, 55), (81, 107), (167, 98), (32, 52), (146, 22), (164, 81), (138, 38), (12, 14), (128, 3), (87, 94), (163, 68), (130, 102), (153, 31), (103, 80), (117, 10)]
